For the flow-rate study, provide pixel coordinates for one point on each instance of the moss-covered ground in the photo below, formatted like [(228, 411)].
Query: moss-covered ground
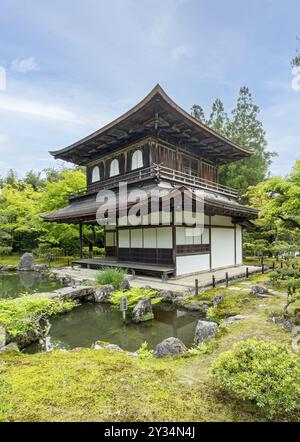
[(101, 385)]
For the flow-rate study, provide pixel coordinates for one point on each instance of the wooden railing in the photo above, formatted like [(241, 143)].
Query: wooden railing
[(157, 172)]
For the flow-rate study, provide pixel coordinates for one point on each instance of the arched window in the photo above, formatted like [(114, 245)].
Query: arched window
[(114, 168), (137, 160), (96, 174)]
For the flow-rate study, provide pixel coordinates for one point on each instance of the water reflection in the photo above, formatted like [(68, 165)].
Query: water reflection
[(91, 322), (12, 284)]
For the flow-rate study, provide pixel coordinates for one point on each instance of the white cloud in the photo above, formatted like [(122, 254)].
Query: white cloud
[(179, 51), (38, 109), (25, 65)]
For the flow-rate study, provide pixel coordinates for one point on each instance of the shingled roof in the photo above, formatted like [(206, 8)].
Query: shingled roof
[(157, 115)]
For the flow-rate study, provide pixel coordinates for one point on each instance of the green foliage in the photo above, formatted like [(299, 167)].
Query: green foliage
[(245, 129), (144, 352), (265, 373), (134, 295), (296, 60), (203, 348), (19, 315), (5, 408), (23, 201), (289, 278), (113, 276), (279, 202), (228, 307)]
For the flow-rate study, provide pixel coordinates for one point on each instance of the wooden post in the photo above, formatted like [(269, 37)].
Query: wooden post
[(213, 281), (273, 265), (80, 241), (247, 272), (227, 279), (196, 287), (281, 264)]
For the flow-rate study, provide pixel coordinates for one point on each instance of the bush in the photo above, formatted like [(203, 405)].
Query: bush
[(265, 373), (5, 250), (144, 352), (134, 295), (113, 276), (19, 315)]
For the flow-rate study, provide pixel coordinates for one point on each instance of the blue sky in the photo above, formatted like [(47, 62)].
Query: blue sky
[(72, 66)]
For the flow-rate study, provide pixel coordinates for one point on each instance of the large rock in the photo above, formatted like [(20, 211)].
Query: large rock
[(40, 268), (3, 268), (100, 345), (259, 291), (170, 346), (125, 284), (194, 306), (205, 330), (284, 322), (218, 298), (9, 347), (103, 294), (142, 311), (26, 263), (235, 318), (167, 295), (2, 337)]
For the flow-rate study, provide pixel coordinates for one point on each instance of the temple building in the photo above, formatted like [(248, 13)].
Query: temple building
[(157, 145)]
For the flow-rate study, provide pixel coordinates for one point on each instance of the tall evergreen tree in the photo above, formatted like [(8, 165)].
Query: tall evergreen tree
[(198, 113), (218, 119), (246, 130)]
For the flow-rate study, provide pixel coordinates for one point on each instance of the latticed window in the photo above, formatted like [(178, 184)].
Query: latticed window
[(137, 160), (114, 168), (96, 174)]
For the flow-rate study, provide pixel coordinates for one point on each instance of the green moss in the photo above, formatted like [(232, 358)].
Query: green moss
[(147, 317), (134, 295), (19, 315), (89, 385)]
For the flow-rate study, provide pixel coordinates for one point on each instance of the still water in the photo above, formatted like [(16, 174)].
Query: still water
[(12, 284), (91, 322)]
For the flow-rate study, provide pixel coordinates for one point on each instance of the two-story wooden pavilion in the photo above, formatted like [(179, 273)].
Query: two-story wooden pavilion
[(157, 144)]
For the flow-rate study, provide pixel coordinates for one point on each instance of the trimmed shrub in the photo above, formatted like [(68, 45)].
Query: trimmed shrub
[(267, 374), (112, 276)]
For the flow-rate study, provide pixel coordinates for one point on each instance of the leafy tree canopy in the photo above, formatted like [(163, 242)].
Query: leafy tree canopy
[(244, 128)]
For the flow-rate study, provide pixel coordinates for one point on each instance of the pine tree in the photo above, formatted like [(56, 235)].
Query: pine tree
[(198, 113), (218, 119), (246, 130)]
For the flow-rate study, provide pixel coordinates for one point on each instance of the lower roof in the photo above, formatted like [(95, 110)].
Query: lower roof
[(85, 210)]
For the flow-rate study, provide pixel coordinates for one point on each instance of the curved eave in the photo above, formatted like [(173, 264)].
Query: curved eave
[(160, 94)]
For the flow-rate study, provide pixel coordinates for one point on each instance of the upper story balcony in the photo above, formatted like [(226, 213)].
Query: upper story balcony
[(156, 173)]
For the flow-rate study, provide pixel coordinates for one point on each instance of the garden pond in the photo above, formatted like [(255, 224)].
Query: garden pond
[(89, 322), (13, 284)]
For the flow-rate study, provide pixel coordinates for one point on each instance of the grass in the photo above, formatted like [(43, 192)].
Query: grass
[(14, 259), (113, 276), (90, 385)]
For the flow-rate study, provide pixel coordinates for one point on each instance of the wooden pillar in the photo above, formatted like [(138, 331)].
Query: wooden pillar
[(80, 241)]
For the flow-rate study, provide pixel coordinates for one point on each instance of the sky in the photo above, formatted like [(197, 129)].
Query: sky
[(67, 67)]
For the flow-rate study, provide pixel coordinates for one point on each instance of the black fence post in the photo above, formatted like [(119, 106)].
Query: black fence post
[(273, 265), (227, 279), (247, 272), (196, 287), (213, 281), (281, 264)]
